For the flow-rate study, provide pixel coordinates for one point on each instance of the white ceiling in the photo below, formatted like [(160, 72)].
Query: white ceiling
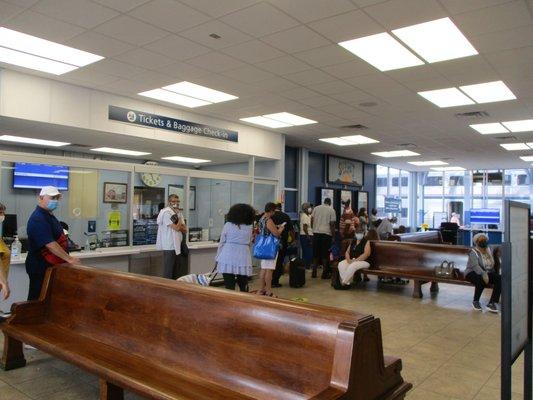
[(281, 55)]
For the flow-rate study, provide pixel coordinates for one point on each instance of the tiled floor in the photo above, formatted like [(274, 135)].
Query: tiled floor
[(448, 350)]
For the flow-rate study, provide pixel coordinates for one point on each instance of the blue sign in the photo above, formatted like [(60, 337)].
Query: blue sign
[(393, 204), (485, 216), (170, 124)]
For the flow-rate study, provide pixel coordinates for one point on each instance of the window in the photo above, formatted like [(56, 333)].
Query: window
[(382, 182)]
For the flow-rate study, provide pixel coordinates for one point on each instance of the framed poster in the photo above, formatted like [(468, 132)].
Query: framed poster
[(326, 193), (344, 171), (346, 196), (115, 192), (179, 190), (362, 200)]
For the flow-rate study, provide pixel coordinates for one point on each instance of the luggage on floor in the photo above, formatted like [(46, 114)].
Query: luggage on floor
[(296, 272)]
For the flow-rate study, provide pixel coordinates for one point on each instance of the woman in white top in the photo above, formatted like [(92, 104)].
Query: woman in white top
[(306, 234)]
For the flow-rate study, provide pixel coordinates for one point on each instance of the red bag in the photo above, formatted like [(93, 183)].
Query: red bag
[(50, 257)]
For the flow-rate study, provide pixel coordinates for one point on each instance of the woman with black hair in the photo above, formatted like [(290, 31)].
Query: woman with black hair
[(234, 260)]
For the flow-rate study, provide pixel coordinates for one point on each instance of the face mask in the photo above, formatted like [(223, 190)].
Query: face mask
[(309, 210), (358, 236), (482, 244), (2, 218), (175, 206), (52, 205)]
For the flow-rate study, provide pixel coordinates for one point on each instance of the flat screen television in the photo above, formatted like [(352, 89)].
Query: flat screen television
[(485, 216), (36, 176)]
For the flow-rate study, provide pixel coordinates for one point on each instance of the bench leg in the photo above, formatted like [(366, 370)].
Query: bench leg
[(13, 356), (417, 289), (434, 287), (108, 391)]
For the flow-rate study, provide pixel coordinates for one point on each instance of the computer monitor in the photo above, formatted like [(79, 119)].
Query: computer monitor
[(9, 227), (485, 216)]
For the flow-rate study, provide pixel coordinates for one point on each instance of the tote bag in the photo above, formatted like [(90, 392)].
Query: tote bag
[(266, 247)]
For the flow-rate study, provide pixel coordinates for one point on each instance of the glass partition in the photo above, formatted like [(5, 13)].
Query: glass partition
[(266, 169), (263, 193)]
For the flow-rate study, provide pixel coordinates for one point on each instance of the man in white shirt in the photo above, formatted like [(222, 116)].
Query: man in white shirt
[(170, 231), (323, 221), (385, 228)]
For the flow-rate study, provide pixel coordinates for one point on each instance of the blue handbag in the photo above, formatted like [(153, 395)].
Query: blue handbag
[(266, 247)]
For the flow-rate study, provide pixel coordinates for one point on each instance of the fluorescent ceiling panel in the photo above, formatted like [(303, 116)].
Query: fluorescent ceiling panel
[(199, 92), (382, 51), (527, 158), (186, 159), (488, 92), (490, 128), (359, 139), (290, 119), (29, 61), (436, 40), (448, 169), (449, 97), (174, 98), (337, 141), (26, 140), (270, 123), (396, 153), (515, 146), (524, 125), (112, 150), (530, 145), (427, 163)]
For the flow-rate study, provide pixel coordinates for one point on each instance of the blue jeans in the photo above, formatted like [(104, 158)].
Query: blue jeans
[(306, 242)]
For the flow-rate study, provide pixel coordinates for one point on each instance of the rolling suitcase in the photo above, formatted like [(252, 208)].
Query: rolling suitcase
[(296, 272)]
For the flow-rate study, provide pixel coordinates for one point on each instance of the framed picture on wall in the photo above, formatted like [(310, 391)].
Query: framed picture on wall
[(115, 192), (345, 197), (325, 193), (179, 190), (344, 171), (362, 200)]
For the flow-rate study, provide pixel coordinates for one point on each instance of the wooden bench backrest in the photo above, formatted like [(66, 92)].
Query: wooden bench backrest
[(258, 346), (417, 258), (421, 237)]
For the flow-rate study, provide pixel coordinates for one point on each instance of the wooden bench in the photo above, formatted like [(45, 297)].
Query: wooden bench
[(434, 237), (416, 261), (167, 340)]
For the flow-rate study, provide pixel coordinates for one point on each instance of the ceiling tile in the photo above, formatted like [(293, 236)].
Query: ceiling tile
[(78, 12), (283, 65), (116, 68), (275, 84), (44, 27), (127, 86), (366, 3), (169, 15), (22, 3), (416, 73), (260, 20), (153, 79), (354, 96), (248, 74), (349, 69), (92, 77), (99, 44), (309, 77), (296, 39), (8, 10), (332, 87), (228, 35), (144, 58), (461, 6), (122, 5), (503, 40), (492, 19), (311, 10), (178, 48), (468, 70), (514, 57), (346, 26), (298, 93), (318, 101), (399, 13), (182, 71), (253, 52), (218, 8), (327, 55), (228, 85), (131, 30), (215, 62)]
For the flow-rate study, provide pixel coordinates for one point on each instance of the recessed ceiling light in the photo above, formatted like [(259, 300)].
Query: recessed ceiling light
[(427, 163), (359, 139), (488, 92), (514, 146), (265, 122), (448, 169), (396, 153), (490, 128), (337, 141), (436, 40), (186, 159), (290, 119), (25, 140), (382, 51), (112, 150), (527, 158), (199, 92), (524, 125), (42, 55), (174, 98), (449, 97)]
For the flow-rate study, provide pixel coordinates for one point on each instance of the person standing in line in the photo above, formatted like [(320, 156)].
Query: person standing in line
[(170, 231), (5, 260), (268, 227), (233, 258), (373, 219), (306, 235), (47, 243), (363, 221), (279, 218), (348, 222), (455, 219), (323, 221)]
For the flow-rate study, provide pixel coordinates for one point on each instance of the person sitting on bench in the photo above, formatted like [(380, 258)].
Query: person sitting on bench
[(356, 255), (480, 271)]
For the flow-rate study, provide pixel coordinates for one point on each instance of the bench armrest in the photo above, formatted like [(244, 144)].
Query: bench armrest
[(329, 393), (27, 311)]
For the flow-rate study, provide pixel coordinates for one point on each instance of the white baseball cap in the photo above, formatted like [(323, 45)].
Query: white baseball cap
[(49, 191)]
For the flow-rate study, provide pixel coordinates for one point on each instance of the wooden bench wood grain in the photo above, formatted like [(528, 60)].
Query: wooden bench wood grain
[(168, 340), (434, 237)]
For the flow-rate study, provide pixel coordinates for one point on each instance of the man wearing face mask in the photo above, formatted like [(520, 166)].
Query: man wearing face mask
[(47, 243), (170, 231)]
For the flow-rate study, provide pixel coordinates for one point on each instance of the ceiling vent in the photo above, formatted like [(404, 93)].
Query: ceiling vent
[(407, 145), (356, 126), (502, 138), (472, 115), (84, 146)]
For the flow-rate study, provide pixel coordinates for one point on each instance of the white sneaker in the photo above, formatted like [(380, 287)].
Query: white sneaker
[(28, 347)]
